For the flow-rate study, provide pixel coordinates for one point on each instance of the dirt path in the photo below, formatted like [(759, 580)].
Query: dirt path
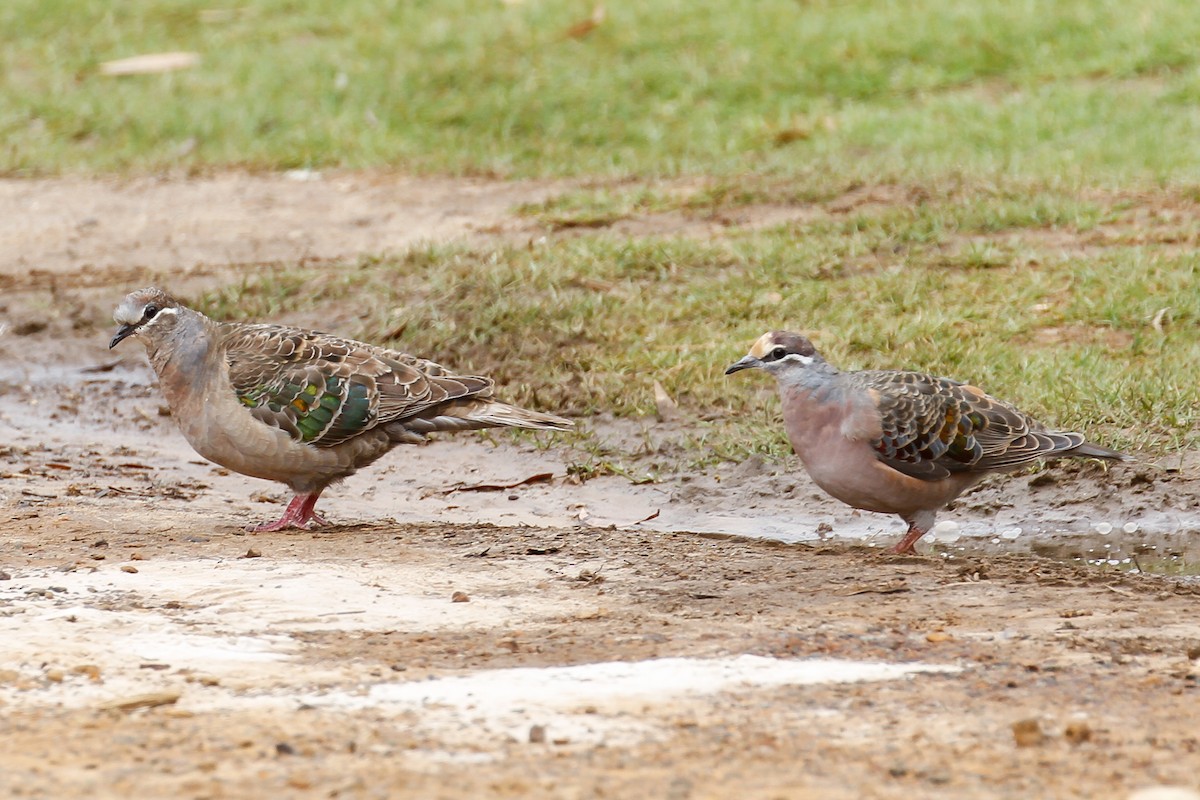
[(152, 648), (76, 225)]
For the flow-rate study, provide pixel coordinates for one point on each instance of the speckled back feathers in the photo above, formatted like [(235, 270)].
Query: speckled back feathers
[(933, 427), (323, 389)]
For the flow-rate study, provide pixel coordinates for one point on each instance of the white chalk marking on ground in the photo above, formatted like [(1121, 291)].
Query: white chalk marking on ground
[(231, 620), (609, 702)]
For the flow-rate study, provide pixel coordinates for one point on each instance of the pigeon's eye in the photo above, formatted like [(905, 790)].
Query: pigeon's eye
[(778, 353), (149, 311)]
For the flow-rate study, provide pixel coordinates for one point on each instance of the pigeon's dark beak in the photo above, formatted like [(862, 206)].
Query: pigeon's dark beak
[(124, 333), (749, 362)]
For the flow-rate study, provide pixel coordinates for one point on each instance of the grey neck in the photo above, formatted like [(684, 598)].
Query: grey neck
[(179, 356), (809, 378)]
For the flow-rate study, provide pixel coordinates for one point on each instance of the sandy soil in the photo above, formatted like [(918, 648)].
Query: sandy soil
[(607, 639)]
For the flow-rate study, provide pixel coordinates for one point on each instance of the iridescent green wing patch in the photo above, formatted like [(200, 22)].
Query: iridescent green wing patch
[(318, 389), (317, 409), (340, 413), (324, 390)]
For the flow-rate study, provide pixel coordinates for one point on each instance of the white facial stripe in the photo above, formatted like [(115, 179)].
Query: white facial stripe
[(160, 315), (805, 360)]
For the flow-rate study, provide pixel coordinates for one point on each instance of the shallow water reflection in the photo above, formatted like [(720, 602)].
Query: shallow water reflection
[(1176, 554)]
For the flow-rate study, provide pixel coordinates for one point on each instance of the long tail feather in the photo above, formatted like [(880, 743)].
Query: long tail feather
[(476, 414), (1089, 450), (506, 416)]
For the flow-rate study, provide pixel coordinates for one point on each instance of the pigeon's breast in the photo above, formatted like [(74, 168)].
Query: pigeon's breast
[(227, 434), (831, 432)]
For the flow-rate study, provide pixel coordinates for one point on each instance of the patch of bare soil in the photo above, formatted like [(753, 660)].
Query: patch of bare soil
[(79, 225), (552, 639)]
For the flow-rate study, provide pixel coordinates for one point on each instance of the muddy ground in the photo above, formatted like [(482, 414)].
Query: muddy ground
[(551, 639)]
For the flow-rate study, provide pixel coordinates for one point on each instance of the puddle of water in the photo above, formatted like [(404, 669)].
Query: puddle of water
[(1173, 553)]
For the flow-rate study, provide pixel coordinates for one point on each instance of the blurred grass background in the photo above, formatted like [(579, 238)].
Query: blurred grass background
[(1036, 162), (1063, 90)]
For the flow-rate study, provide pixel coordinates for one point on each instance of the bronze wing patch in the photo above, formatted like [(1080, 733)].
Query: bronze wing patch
[(934, 427), (324, 390)]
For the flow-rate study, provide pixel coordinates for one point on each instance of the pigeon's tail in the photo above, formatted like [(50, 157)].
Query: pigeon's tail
[(474, 414), (1089, 450), (492, 414)]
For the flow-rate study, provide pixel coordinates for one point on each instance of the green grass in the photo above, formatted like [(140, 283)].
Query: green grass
[(1064, 91), (982, 288)]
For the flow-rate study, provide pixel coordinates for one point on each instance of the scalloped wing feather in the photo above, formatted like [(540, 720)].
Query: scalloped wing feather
[(934, 427), (324, 390)]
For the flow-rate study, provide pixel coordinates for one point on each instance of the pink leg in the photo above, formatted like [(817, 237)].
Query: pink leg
[(910, 538), (298, 514)]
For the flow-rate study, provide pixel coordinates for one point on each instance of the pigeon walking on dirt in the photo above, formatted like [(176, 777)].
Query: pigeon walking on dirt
[(900, 442), (303, 408)]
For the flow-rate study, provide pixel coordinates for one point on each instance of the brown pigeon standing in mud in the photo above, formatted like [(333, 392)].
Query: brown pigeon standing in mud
[(901, 443), (303, 408)]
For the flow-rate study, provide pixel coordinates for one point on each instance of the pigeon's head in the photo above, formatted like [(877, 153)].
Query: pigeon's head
[(147, 313), (778, 352)]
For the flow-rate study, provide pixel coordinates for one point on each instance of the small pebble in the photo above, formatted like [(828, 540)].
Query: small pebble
[(285, 749), (537, 734), (4, 576), (252, 553), (946, 531), (129, 568), (1028, 733), (460, 597), (1077, 733), (90, 670), (203, 680)]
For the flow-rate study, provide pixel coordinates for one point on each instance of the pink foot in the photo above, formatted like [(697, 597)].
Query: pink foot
[(910, 539), (298, 514)]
